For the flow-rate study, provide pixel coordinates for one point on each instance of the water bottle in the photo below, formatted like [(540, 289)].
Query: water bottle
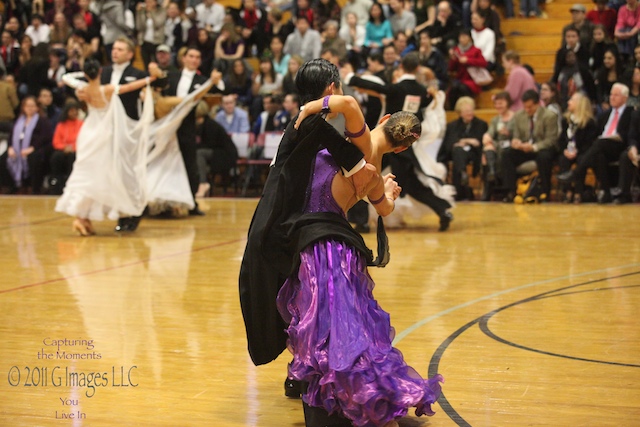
[(571, 147)]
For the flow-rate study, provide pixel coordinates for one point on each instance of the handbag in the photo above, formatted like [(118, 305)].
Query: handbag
[(481, 76)]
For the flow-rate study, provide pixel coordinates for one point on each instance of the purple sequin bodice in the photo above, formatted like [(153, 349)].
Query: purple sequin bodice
[(319, 196)]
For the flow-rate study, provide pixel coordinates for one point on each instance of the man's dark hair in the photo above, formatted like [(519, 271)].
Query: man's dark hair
[(313, 78), (531, 95), (376, 57), (411, 62)]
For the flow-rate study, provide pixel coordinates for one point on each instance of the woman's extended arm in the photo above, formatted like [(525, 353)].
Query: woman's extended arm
[(356, 127)]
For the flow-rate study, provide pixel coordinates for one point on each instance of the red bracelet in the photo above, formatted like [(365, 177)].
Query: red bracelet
[(357, 134)]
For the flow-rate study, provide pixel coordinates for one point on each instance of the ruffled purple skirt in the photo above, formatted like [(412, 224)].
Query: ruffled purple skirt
[(341, 341)]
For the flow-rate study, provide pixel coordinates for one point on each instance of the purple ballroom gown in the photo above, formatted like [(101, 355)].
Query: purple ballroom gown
[(339, 335)]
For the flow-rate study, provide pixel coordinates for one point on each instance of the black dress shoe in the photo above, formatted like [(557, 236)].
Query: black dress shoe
[(445, 221), (319, 417), (123, 225), (292, 388), (565, 177), (196, 212), (128, 224)]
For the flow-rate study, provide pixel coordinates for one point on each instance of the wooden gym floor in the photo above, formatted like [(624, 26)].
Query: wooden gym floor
[(529, 312)]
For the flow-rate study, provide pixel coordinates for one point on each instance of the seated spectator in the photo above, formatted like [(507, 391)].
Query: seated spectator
[(64, 147), (176, 28), (163, 59), (229, 47), (613, 131), (47, 108), (38, 31), (266, 81), (206, 45), (290, 109), (535, 137), (462, 145), (572, 44), (54, 75), (519, 80), (216, 153), (433, 59), (304, 41), (29, 145), (33, 73), (360, 8), (354, 36), (461, 57), (210, 16), (330, 40), (580, 23), (325, 11), (549, 100), (91, 21), (495, 141), (278, 58), (402, 20), (90, 34), (77, 52), (634, 90), (67, 8), (302, 9), (484, 39), (8, 103), (24, 55), (579, 130), (603, 15), (574, 77), (605, 77), (266, 121), (599, 44), (444, 31), (629, 161), (627, 27), (425, 13), (275, 26), (402, 45), (10, 52), (253, 20), (237, 81), (231, 117), (150, 24), (60, 31), (289, 80)]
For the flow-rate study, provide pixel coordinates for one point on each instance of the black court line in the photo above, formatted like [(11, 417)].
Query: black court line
[(434, 363)]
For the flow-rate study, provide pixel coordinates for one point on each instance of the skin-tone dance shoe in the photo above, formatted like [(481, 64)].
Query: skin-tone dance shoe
[(79, 226)]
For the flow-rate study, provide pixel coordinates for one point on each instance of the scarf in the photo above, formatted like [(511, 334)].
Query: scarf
[(22, 133)]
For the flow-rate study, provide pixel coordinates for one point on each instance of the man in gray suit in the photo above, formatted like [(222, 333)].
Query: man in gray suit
[(534, 138)]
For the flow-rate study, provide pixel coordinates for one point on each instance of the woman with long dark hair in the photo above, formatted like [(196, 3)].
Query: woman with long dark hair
[(339, 335), (609, 73)]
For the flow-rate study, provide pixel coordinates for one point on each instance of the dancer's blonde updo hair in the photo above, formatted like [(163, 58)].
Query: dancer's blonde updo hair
[(402, 129)]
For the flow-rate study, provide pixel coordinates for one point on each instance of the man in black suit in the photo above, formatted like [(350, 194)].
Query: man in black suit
[(629, 162), (181, 84), (406, 94), (122, 72), (613, 128)]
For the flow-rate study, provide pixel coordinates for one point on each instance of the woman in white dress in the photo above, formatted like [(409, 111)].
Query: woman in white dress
[(108, 176)]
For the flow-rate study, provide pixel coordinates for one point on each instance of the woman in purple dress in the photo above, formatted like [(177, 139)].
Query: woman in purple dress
[(339, 336)]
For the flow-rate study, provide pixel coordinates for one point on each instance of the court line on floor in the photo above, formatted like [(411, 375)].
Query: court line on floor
[(402, 335), (115, 267)]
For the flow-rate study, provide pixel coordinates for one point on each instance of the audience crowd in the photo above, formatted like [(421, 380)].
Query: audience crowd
[(584, 118)]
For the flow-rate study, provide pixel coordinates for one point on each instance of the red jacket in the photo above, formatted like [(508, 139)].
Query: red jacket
[(474, 59)]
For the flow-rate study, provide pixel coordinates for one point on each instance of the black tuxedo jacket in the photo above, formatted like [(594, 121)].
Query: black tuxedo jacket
[(624, 123), (398, 94), (457, 130), (130, 99), (187, 130)]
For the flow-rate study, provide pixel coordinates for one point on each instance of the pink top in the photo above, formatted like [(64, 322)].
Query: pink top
[(520, 81), (627, 18)]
